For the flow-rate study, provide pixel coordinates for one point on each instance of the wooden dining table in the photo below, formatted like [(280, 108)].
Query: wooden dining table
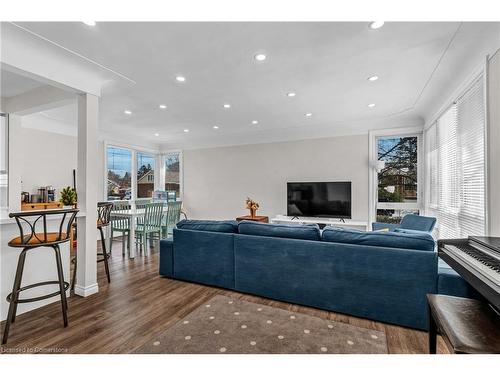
[(132, 214)]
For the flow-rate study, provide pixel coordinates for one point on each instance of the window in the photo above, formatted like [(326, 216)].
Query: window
[(119, 175), (172, 173), (455, 166), (4, 165), (397, 177), (145, 175)]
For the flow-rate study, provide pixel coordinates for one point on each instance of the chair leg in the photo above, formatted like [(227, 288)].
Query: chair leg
[(60, 274), (73, 281), (145, 244), (11, 315), (105, 254), (123, 244)]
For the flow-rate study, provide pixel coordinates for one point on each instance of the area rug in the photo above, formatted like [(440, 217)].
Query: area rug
[(225, 325)]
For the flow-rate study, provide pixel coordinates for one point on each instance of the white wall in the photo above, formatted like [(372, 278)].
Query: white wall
[(217, 180), (44, 158), (494, 144)]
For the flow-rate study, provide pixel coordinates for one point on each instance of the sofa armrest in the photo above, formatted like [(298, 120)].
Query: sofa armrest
[(379, 226), (167, 257)]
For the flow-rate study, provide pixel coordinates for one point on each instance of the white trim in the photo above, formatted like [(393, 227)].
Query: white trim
[(86, 291), (486, 146), (372, 174)]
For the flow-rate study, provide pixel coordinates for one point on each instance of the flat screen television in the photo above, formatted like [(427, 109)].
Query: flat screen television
[(319, 199)]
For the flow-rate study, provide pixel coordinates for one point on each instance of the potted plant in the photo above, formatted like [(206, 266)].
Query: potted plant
[(252, 206), (68, 197)]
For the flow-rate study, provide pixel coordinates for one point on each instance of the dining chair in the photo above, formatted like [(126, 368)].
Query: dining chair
[(171, 218), (140, 204), (151, 225), (120, 224)]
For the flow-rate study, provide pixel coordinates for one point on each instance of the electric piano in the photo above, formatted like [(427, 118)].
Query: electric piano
[(477, 260), (469, 325)]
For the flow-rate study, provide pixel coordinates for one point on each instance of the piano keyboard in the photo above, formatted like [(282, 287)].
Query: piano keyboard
[(471, 257)]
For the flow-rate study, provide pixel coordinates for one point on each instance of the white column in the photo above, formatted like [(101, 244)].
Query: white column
[(86, 184)]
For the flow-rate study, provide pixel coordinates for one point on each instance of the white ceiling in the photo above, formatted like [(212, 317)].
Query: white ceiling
[(326, 64)]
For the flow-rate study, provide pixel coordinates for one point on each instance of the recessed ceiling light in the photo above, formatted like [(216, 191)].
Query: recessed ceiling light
[(371, 105), (372, 78), (162, 106), (255, 122), (376, 24), (127, 112), (157, 134), (89, 23), (290, 94), (215, 127), (309, 114), (180, 79), (260, 57), (186, 130), (227, 105)]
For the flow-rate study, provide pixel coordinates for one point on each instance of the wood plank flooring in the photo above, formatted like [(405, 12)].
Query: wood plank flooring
[(138, 304)]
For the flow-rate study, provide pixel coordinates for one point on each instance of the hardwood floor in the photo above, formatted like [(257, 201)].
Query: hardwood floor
[(138, 304)]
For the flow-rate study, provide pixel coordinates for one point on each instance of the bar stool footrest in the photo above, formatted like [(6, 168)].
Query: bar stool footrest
[(34, 299)]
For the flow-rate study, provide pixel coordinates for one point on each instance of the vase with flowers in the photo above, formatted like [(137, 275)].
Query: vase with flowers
[(252, 206)]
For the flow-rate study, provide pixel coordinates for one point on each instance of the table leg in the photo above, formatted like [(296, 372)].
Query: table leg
[(132, 237), (432, 332)]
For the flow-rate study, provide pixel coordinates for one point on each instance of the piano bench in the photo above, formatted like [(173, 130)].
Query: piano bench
[(467, 325)]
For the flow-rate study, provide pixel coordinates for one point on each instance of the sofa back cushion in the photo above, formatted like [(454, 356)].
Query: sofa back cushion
[(296, 231), (417, 222), (228, 226), (414, 241)]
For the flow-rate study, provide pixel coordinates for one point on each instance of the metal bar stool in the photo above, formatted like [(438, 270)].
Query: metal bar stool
[(33, 240), (103, 220)]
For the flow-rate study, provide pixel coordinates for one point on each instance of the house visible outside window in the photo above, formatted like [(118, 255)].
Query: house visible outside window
[(145, 175), (397, 177), (173, 173), (119, 173)]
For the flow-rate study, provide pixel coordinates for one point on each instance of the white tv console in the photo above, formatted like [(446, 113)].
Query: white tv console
[(360, 225)]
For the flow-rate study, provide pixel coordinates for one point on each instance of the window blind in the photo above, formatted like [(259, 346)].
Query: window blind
[(455, 166)]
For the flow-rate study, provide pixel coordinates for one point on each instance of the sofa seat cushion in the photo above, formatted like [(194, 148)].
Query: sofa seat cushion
[(452, 284), (297, 231), (227, 226), (414, 241)]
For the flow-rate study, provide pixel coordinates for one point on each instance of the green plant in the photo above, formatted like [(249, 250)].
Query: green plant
[(68, 196)]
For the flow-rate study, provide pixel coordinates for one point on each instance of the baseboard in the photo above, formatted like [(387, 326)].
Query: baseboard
[(86, 291)]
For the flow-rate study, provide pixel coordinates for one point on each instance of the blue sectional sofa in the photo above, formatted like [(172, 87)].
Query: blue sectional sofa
[(383, 276)]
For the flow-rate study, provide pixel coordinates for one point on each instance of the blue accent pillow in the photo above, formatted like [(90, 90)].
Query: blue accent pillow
[(415, 241), (297, 231), (227, 226)]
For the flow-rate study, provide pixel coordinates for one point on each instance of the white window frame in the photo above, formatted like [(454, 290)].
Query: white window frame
[(134, 150), (373, 173), (181, 170)]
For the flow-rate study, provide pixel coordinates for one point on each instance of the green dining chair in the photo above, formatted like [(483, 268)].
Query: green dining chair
[(140, 203), (120, 224), (150, 226), (171, 218)]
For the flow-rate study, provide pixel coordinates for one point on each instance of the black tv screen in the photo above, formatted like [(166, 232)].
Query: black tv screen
[(319, 199)]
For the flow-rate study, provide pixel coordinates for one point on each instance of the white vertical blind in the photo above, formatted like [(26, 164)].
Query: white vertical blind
[(455, 166)]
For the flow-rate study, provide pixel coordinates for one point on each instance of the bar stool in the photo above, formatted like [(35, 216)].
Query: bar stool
[(31, 241), (103, 220)]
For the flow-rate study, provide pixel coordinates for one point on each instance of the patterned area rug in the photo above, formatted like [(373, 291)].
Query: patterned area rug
[(225, 325)]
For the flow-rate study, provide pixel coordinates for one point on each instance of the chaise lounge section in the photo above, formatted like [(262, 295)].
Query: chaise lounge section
[(383, 276)]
